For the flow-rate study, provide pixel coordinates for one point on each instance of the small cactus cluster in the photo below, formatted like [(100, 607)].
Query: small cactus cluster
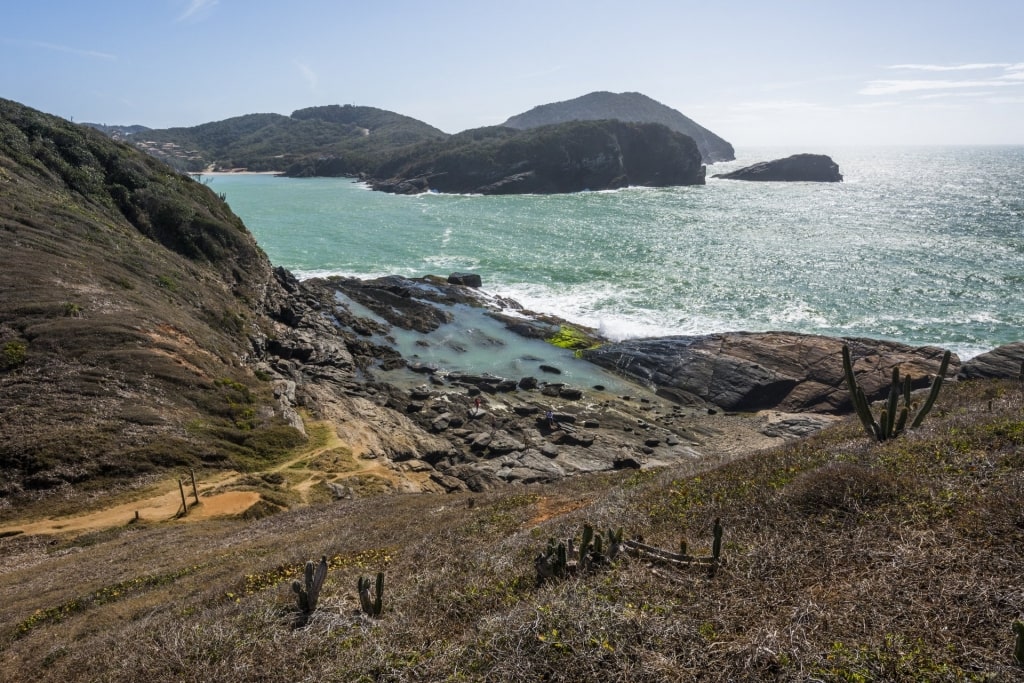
[(308, 591), (682, 559), (563, 559), (371, 606), (893, 419)]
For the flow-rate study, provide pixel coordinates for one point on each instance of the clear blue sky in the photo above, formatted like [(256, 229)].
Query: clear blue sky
[(757, 72)]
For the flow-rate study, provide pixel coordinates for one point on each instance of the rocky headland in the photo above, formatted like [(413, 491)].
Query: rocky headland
[(631, 107), (565, 157), (812, 168)]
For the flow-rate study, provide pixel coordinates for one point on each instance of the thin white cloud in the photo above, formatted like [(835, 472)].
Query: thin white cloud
[(94, 54), (897, 87), (973, 94), (307, 74), (194, 8), (954, 67), (1004, 74), (776, 105)]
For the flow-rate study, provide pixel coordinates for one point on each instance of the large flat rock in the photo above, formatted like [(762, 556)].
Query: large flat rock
[(750, 371), (1003, 362)]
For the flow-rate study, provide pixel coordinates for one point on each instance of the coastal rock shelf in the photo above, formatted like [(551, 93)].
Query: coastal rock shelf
[(770, 370), (467, 419)]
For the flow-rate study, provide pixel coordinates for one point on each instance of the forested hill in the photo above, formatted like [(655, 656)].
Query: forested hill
[(628, 106), (357, 137)]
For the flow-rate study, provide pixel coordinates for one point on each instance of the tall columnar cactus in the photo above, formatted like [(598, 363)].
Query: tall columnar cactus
[(893, 420), (308, 591), (372, 606), (716, 543)]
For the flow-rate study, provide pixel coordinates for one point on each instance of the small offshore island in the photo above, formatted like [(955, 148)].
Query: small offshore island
[(150, 349)]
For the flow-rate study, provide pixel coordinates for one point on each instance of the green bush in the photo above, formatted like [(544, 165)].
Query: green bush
[(15, 353)]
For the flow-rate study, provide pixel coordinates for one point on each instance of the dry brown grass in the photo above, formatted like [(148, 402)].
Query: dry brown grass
[(845, 561)]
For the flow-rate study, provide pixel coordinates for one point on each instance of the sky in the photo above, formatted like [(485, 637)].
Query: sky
[(756, 72)]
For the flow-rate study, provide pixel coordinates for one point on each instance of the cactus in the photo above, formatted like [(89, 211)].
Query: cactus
[(308, 592), (614, 542), (587, 555), (553, 563), (561, 560), (893, 420), (1018, 647), (716, 548), (371, 607)]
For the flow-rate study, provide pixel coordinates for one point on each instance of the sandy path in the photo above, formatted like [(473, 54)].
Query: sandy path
[(160, 507), (216, 497)]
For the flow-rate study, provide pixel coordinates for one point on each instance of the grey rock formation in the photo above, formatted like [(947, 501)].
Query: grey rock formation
[(816, 168), (568, 157), (465, 279), (1003, 362), (627, 106), (755, 371)]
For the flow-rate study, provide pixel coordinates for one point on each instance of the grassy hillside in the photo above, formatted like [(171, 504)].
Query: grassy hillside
[(844, 560), (128, 294), (330, 140)]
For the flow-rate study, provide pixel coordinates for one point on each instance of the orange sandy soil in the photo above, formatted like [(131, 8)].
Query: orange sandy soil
[(215, 494)]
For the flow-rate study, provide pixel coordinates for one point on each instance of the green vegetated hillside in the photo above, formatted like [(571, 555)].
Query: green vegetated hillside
[(565, 157), (329, 140), (373, 143), (842, 559), (128, 296)]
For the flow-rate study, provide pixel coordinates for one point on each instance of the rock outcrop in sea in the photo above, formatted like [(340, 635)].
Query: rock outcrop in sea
[(815, 168)]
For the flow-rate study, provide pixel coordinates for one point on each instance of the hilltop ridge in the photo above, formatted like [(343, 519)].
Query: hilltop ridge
[(630, 107), (381, 145)]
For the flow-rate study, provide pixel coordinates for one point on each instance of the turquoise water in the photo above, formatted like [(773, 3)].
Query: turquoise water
[(919, 245)]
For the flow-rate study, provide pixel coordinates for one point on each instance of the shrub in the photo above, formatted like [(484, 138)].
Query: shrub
[(840, 486), (15, 353)]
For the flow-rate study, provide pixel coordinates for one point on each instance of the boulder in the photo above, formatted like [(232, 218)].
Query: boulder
[(465, 279), (1004, 362), (815, 168), (529, 467), (750, 371)]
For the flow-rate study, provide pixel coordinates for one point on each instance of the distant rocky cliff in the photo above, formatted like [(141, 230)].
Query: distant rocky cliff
[(631, 107), (568, 157)]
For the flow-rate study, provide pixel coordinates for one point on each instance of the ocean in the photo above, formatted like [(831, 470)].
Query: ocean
[(922, 245)]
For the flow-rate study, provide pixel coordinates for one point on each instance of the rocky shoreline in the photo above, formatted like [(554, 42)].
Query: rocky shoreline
[(450, 429)]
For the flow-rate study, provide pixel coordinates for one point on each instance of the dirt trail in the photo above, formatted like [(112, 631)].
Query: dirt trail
[(218, 498)]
